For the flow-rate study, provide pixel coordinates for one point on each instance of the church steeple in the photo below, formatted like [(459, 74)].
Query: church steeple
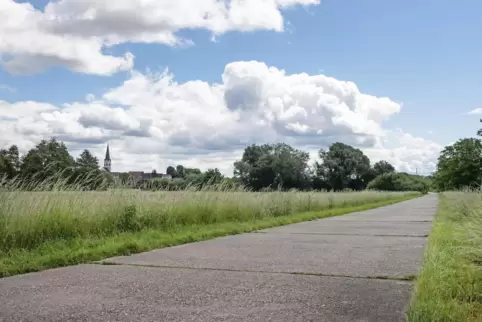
[(107, 161)]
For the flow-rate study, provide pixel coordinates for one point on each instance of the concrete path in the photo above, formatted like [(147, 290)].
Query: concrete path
[(355, 267)]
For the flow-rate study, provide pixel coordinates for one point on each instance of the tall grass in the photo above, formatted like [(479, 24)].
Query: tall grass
[(449, 287), (56, 224), (28, 219)]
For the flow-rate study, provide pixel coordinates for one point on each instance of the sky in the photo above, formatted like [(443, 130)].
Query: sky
[(193, 82)]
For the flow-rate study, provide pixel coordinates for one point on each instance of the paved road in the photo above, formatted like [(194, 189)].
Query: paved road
[(349, 268)]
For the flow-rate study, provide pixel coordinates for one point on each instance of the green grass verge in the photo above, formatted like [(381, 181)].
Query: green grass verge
[(83, 250), (449, 286)]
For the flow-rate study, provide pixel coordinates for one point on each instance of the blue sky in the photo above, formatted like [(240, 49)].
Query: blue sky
[(426, 54)]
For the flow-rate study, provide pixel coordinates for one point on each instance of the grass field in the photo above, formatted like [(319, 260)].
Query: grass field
[(40, 229), (449, 287)]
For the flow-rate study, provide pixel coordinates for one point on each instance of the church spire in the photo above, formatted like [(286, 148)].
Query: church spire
[(107, 154), (107, 161)]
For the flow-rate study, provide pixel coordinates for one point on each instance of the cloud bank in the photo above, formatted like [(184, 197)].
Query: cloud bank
[(152, 121)]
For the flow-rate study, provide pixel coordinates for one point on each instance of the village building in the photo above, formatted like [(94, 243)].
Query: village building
[(137, 176)]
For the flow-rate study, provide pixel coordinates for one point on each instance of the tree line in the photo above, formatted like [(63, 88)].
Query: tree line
[(340, 167), (49, 164), (261, 167)]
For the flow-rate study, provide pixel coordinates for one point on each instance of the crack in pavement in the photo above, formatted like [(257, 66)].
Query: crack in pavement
[(376, 221), (408, 278), (343, 234)]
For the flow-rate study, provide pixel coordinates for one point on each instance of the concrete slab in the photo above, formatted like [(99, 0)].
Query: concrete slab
[(366, 228), (122, 293), (391, 218), (415, 210), (362, 256)]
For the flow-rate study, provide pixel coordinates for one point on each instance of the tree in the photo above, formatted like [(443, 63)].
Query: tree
[(212, 176), (171, 171), (9, 162), (343, 166), (189, 171), (180, 171), (272, 165), (391, 181), (48, 159), (87, 174), (479, 132), (87, 161), (382, 167), (460, 165), (194, 179)]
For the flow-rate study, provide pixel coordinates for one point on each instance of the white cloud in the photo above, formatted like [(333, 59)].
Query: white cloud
[(476, 111), (75, 33), (28, 46), (406, 152), (152, 121)]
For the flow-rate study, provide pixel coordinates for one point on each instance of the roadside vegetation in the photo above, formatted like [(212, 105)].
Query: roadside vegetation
[(393, 181), (43, 229), (57, 210), (449, 287)]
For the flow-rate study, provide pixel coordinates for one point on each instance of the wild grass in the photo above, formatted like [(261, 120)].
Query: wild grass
[(43, 229), (449, 287)]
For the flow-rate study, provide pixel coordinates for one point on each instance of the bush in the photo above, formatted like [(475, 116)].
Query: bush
[(400, 182)]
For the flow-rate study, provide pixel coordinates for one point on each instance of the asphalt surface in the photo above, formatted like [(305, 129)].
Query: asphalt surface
[(349, 268)]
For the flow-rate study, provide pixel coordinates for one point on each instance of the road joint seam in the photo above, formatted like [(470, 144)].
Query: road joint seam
[(342, 234), (406, 278)]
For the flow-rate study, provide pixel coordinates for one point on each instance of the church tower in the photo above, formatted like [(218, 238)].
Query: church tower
[(107, 161)]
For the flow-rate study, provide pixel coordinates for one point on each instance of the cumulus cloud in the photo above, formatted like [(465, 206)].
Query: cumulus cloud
[(476, 111), (28, 46), (406, 152), (75, 33), (150, 119)]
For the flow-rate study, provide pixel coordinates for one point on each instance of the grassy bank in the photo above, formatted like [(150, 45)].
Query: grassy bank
[(41, 230), (449, 287)]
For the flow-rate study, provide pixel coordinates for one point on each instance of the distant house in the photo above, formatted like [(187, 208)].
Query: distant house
[(137, 176)]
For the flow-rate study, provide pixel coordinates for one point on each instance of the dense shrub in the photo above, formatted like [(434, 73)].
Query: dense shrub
[(400, 182)]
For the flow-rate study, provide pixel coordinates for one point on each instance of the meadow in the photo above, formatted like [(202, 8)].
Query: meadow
[(449, 286), (44, 229)]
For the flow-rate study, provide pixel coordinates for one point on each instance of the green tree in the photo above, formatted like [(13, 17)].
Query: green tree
[(460, 165), (9, 162), (171, 171), (342, 167), (180, 171), (382, 167), (87, 174), (273, 165), (391, 181), (189, 171), (194, 179), (479, 132), (212, 176), (48, 159), (87, 161)]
